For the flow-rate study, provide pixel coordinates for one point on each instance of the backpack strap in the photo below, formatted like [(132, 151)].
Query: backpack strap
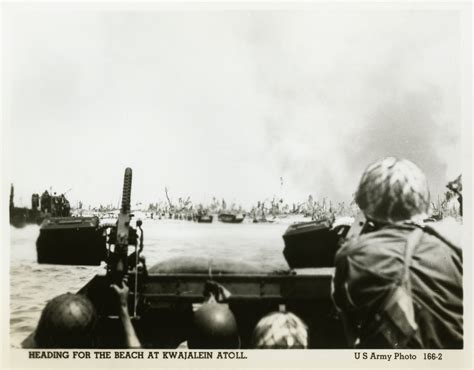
[(412, 242), (394, 324)]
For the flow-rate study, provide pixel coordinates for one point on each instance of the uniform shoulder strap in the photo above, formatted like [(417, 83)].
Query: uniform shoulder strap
[(412, 241)]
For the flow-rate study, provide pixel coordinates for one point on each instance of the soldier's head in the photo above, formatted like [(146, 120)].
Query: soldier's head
[(67, 321), (393, 190), (280, 330), (214, 327), (456, 185)]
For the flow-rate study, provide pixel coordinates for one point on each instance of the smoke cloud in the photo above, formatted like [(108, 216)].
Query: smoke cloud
[(387, 87), (236, 104)]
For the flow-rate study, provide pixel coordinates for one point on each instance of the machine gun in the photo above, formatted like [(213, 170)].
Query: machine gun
[(119, 262), (121, 235)]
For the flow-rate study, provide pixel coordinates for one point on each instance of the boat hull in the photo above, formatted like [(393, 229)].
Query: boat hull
[(205, 219), (171, 290), (310, 245), (230, 218), (20, 217), (71, 241)]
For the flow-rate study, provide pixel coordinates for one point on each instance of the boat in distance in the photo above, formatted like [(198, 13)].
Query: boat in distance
[(42, 207), (230, 218), (205, 218)]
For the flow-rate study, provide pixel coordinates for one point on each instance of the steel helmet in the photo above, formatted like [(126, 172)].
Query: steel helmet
[(214, 327), (67, 321), (393, 190), (280, 330)]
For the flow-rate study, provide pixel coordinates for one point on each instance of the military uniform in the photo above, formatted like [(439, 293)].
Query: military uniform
[(367, 267)]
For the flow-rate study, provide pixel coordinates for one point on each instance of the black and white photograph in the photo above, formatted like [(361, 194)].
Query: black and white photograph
[(192, 177)]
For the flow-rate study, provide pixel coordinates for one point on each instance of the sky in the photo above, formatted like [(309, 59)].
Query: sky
[(236, 104)]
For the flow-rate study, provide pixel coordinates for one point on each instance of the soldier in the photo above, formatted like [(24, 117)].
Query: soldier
[(214, 327), (55, 205), (45, 202), (67, 321), (34, 202), (456, 187), (400, 286), (64, 206), (280, 330)]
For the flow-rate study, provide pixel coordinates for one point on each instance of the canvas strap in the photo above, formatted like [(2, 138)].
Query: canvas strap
[(412, 241)]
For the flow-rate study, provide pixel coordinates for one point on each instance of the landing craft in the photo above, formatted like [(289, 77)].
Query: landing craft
[(41, 208), (230, 218), (162, 297), (204, 218)]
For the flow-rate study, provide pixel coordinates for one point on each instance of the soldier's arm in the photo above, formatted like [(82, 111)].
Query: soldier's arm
[(131, 339)]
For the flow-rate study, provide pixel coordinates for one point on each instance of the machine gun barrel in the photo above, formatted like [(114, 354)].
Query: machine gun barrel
[(127, 190), (124, 216), (123, 230)]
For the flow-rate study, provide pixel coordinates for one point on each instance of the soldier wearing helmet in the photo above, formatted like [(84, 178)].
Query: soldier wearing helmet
[(280, 330), (214, 327), (67, 321), (393, 194), (70, 321)]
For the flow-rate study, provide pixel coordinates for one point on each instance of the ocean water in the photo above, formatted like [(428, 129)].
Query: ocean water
[(32, 285)]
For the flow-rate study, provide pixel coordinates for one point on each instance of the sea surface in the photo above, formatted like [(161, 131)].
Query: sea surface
[(32, 285)]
